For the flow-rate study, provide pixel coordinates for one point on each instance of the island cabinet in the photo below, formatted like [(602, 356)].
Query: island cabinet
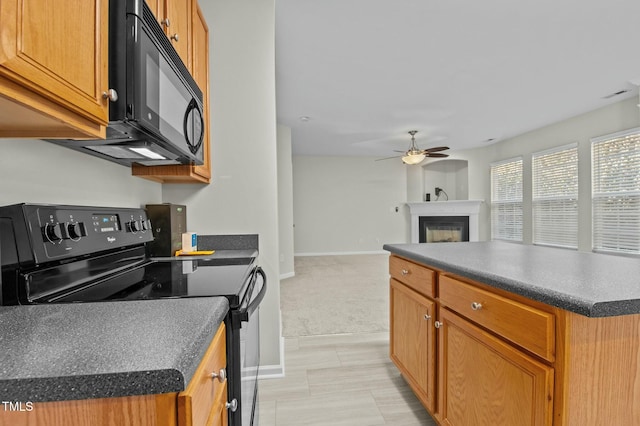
[(199, 68), (477, 355), (203, 402), (52, 74), (413, 312), (487, 373)]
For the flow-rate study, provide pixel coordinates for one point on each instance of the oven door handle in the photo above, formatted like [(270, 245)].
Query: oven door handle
[(250, 309)]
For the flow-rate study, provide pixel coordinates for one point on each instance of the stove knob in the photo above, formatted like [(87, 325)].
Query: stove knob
[(146, 225), (76, 230), (54, 233), (133, 226)]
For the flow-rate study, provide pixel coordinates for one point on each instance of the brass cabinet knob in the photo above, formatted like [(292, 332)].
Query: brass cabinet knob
[(476, 306)]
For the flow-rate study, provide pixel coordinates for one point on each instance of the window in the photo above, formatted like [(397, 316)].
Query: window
[(616, 192), (555, 197), (506, 200)]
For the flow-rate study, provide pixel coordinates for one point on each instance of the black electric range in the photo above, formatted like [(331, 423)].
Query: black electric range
[(75, 254)]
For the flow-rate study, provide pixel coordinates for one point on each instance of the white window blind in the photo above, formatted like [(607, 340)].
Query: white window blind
[(506, 200), (616, 192), (555, 197)]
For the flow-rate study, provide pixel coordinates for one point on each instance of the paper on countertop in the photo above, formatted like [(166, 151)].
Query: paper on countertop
[(195, 253)]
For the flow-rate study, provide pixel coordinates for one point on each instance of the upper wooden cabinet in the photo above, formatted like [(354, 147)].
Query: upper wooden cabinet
[(199, 68), (53, 74), (175, 17)]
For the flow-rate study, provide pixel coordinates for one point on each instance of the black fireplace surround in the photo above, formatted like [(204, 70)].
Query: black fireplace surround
[(435, 229)]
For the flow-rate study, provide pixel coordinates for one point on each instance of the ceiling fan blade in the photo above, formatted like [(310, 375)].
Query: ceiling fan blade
[(388, 158), (395, 150), (436, 149), (436, 155)]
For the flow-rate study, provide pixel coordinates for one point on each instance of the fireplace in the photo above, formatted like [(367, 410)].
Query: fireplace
[(443, 229), (460, 217)]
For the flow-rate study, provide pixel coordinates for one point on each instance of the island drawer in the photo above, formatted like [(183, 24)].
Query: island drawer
[(196, 402), (524, 325), (418, 277)]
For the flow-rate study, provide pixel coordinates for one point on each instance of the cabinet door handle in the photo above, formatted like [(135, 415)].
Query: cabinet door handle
[(165, 22), (110, 94), (438, 324), (404, 272), (233, 405), (427, 317), (175, 37), (476, 306), (221, 376)]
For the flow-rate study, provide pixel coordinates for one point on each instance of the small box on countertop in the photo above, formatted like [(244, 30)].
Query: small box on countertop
[(189, 242), (168, 222)]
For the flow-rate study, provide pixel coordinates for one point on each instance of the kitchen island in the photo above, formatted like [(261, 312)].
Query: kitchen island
[(495, 333), (103, 351)]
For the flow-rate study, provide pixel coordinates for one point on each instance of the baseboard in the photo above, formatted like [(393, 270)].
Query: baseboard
[(274, 371), (341, 253), (287, 275)]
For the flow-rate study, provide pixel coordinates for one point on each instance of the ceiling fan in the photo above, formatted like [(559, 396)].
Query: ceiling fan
[(415, 155)]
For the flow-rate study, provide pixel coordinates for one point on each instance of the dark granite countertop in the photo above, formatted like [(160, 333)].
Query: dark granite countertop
[(590, 284), (227, 248), (105, 349)]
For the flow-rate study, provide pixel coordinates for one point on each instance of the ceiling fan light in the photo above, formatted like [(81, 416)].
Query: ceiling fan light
[(413, 158)]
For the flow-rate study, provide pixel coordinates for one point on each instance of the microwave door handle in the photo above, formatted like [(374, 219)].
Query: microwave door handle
[(245, 313)]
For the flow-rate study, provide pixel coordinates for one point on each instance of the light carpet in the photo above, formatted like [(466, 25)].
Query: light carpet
[(336, 294)]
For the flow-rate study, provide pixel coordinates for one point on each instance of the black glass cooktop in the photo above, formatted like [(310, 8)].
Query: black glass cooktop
[(137, 279)]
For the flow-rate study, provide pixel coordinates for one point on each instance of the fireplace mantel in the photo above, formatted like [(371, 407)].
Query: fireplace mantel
[(469, 208)]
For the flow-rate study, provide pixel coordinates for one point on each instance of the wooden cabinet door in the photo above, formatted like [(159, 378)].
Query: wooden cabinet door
[(59, 50), (200, 72), (219, 412), (484, 381), (178, 12), (412, 343)]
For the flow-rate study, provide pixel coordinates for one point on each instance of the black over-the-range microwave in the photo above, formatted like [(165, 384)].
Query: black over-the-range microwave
[(155, 110)]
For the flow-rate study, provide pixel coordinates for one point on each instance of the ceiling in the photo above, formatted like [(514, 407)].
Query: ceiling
[(464, 73)]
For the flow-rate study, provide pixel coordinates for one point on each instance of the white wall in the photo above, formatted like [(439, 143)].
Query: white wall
[(243, 195), (285, 202), (449, 175), (610, 119), (41, 172), (347, 204)]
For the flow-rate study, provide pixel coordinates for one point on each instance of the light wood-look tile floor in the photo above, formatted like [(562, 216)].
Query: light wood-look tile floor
[(337, 366), (339, 380)]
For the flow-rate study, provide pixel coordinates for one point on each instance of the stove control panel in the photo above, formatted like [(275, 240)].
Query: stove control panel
[(59, 232)]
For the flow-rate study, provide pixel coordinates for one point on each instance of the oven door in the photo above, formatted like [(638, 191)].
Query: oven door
[(249, 336)]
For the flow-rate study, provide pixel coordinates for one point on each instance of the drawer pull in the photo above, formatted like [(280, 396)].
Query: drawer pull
[(438, 324), (405, 272), (233, 405), (427, 317), (221, 376), (476, 306)]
